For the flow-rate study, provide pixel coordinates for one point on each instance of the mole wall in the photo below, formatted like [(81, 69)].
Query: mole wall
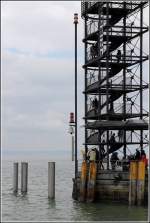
[(112, 185)]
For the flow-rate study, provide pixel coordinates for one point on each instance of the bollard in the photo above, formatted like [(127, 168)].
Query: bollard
[(51, 180), (24, 177), (140, 182), (133, 183), (15, 178)]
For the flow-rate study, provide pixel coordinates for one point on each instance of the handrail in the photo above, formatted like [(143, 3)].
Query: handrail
[(112, 57), (130, 5)]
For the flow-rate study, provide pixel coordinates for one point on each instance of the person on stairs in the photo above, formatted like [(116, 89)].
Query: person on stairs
[(113, 160), (92, 155), (118, 56)]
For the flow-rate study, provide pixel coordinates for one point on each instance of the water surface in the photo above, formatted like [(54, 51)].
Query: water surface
[(35, 206)]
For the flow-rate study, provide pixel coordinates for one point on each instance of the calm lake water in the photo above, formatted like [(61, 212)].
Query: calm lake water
[(35, 206)]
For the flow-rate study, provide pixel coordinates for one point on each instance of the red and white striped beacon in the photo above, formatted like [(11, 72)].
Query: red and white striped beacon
[(71, 118)]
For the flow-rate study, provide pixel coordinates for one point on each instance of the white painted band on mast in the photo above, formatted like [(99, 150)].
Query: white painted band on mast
[(15, 178), (72, 147), (51, 180)]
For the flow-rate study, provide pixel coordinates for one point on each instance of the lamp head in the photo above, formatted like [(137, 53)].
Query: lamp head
[(75, 18)]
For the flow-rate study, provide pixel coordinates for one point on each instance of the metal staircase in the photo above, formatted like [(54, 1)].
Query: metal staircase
[(109, 28)]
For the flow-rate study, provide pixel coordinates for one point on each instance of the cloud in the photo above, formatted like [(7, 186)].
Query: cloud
[(38, 73), (39, 27)]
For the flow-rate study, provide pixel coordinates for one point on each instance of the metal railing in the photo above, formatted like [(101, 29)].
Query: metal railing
[(85, 5), (93, 76), (129, 58), (131, 137), (92, 26), (118, 107), (130, 5), (91, 132), (90, 104)]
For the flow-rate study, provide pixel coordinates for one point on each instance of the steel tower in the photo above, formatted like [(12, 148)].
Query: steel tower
[(114, 76)]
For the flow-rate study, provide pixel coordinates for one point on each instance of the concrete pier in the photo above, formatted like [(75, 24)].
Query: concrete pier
[(51, 180), (130, 186), (24, 177), (110, 185), (15, 177)]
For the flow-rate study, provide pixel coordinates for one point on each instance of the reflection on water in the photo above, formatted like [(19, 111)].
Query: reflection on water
[(51, 204), (35, 206), (108, 211)]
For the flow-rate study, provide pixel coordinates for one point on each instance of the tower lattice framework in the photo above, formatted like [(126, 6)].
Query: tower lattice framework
[(114, 76)]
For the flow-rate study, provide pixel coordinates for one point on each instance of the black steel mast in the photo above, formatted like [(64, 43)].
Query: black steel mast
[(76, 142)]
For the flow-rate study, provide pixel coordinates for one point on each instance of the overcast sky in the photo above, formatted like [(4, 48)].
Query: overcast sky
[(38, 74)]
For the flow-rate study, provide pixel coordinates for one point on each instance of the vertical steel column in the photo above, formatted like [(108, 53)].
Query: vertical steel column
[(107, 78), (15, 178), (51, 180), (85, 81), (124, 77), (141, 73), (76, 126), (99, 77), (24, 177)]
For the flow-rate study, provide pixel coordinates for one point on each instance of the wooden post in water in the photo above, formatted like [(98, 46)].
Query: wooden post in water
[(24, 177), (15, 178), (140, 182), (91, 182), (83, 181), (133, 182), (51, 180)]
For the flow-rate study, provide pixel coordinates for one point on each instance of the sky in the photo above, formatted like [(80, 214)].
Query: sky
[(38, 75)]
